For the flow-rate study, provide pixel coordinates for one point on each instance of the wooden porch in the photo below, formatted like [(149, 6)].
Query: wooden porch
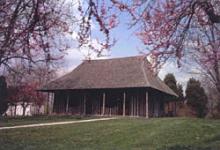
[(136, 102)]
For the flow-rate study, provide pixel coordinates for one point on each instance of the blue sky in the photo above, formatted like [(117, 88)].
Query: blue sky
[(127, 45)]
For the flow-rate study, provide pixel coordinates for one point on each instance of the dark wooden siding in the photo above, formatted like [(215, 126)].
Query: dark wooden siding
[(90, 102)]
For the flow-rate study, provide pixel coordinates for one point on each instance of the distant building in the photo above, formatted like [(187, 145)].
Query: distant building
[(31, 110)]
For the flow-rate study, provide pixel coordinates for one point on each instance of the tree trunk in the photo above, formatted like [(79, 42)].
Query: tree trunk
[(24, 109), (15, 110), (38, 109), (24, 106), (11, 110), (218, 87)]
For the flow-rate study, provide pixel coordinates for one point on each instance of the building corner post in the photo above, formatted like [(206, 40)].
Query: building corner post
[(67, 103), (124, 101), (103, 104), (146, 106), (84, 104)]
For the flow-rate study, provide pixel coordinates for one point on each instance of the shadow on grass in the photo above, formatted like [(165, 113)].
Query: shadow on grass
[(214, 139), (188, 147), (207, 145)]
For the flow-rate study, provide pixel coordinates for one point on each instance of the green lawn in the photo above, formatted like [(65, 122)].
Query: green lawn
[(119, 134), (5, 122)]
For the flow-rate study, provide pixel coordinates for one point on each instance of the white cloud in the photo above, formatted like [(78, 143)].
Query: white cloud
[(180, 74), (74, 56)]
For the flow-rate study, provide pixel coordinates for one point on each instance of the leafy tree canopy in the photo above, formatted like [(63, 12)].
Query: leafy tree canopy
[(170, 81), (196, 97)]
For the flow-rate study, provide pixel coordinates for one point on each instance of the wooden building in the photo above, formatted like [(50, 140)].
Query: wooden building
[(119, 86)]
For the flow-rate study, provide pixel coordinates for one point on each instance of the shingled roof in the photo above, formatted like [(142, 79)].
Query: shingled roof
[(128, 72)]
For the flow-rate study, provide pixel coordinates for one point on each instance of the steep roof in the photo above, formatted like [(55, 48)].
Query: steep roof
[(128, 72)]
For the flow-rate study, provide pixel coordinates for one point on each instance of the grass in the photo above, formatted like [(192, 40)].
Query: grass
[(119, 134), (12, 121)]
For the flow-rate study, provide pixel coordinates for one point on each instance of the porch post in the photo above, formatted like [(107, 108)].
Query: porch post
[(124, 98), (132, 108), (103, 104), (67, 103), (137, 106), (175, 108), (84, 104), (47, 103), (147, 115)]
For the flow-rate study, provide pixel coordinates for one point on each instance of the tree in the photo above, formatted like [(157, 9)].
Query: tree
[(26, 94), (30, 31), (213, 98), (180, 92), (21, 74), (3, 95), (206, 55), (24, 84), (12, 97), (213, 104), (35, 31), (170, 29), (170, 81), (196, 97), (164, 26)]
